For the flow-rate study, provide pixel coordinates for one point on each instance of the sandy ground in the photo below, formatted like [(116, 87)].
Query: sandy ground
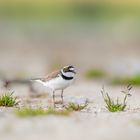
[(94, 122)]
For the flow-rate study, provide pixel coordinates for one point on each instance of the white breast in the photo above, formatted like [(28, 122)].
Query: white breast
[(59, 83)]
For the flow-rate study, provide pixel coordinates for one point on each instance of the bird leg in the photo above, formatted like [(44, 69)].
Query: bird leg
[(54, 98), (62, 95)]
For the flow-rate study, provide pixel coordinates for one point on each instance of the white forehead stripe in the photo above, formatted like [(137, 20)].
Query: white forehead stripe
[(71, 69)]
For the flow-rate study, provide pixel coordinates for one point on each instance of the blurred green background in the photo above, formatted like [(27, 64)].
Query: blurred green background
[(68, 10), (98, 37)]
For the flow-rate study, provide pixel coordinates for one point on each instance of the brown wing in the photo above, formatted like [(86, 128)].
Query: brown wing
[(51, 76)]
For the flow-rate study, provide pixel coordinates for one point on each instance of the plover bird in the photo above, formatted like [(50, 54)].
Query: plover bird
[(58, 80)]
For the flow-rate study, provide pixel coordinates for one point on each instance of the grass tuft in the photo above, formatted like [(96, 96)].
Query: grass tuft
[(116, 105), (8, 100), (28, 112), (95, 73), (76, 107)]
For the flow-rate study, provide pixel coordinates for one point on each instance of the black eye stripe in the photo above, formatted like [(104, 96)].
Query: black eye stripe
[(70, 67), (71, 70)]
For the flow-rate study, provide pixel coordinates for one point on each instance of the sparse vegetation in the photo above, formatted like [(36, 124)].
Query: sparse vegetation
[(95, 73), (8, 100), (76, 107), (27, 111), (115, 106), (134, 80)]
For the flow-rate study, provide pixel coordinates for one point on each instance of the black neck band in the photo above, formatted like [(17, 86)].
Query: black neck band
[(65, 77)]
